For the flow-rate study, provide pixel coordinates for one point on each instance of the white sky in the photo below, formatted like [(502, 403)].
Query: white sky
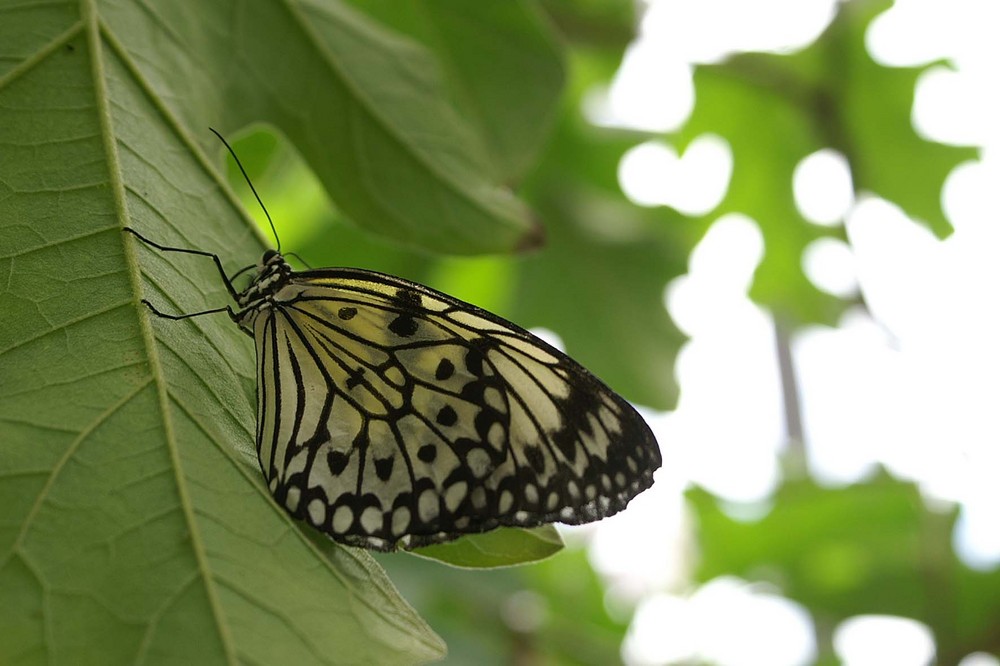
[(915, 389)]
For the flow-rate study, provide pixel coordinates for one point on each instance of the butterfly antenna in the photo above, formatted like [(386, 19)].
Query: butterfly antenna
[(299, 257), (252, 188)]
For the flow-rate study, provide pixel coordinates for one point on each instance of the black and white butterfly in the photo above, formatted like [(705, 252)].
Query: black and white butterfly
[(390, 414)]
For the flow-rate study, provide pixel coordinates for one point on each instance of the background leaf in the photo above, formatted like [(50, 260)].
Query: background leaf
[(867, 548), (775, 110), (550, 612), (503, 69), (499, 548)]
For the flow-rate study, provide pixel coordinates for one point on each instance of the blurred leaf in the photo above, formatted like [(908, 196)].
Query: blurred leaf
[(774, 110), (553, 612), (849, 543), (887, 155), (260, 150), (607, 25), (600, 281), (499, 548), (768, 137), (867, 548), (502, 66), (581, 629)]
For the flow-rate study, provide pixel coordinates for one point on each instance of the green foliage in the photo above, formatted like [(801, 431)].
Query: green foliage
[(552, 612), (774, 110), (868, 548), (492, 53)]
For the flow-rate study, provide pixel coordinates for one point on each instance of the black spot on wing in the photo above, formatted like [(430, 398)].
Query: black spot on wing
[(535, 458), (444, 370), (427, 453), (447, 416), (404, 326), (347, 313), (383, 467), (337, 461)]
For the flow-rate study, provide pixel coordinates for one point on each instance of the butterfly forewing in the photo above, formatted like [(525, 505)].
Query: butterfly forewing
[(391, 414)]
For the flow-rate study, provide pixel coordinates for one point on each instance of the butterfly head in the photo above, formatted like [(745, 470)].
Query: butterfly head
[(272, 274)]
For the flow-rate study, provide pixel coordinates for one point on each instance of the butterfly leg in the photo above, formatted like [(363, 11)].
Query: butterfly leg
[(164, 315), (200, 253)]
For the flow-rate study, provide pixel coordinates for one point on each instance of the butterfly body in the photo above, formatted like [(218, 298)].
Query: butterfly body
[(391, 414)]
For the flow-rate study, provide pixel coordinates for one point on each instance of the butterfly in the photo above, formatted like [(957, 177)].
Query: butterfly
[(393, 415)]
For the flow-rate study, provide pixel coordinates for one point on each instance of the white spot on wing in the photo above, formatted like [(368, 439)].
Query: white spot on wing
[(293, 497), (342, 519), (479, 497), (400, 520), (479, 463), (317, 511), (428, 506), (371, 519), (506, 501), (609, 420), (454, 495)]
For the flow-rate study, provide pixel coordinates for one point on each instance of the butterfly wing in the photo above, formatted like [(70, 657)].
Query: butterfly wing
[(392, 414)]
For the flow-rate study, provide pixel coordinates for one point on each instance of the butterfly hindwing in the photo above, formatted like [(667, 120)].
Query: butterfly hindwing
[(390, 413)]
